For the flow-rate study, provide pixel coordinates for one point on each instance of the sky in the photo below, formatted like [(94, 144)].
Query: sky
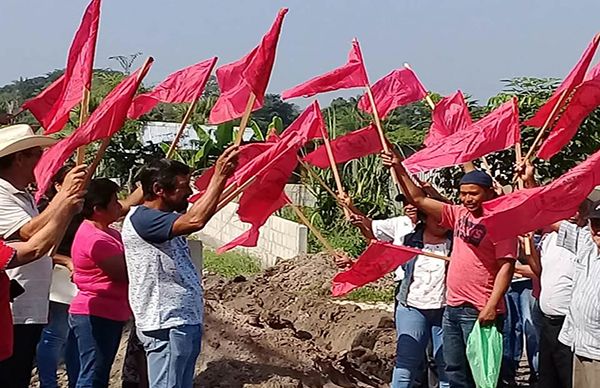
[(451, 44)]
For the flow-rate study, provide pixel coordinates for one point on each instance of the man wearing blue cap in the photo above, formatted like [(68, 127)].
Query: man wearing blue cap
[(480, 271)]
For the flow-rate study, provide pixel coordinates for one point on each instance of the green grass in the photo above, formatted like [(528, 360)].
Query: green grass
[(371, 295), (230, 264)]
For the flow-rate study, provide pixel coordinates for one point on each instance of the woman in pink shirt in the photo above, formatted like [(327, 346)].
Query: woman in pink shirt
[(100, 309)]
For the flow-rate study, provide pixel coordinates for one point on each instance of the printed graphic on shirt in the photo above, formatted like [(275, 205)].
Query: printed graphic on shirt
[(470, 232)]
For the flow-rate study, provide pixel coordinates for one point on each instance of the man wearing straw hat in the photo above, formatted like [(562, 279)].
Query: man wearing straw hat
[(20, 151)]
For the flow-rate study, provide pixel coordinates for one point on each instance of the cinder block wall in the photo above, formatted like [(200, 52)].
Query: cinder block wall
[(279, 238)]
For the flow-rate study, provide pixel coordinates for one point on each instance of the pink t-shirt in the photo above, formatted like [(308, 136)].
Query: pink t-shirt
[(98, 295), (474, 259)]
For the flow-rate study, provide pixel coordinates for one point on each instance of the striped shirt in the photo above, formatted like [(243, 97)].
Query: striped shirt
[(581, 329)]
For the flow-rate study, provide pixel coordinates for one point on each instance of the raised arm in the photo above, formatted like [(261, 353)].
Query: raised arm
[(135, 198), (358, 218), (414, 194), (72, 185), (203, 209)]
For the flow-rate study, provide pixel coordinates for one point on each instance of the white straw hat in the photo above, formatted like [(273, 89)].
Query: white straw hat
[(15, 138)]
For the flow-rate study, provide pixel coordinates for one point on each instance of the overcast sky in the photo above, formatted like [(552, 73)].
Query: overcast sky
[(452, 44)]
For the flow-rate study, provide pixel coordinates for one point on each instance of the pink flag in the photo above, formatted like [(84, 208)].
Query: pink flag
[(378, 260), (574, 78), (585, 99), (185, 85), (450, 115), (400, 87), (107, 119), (52, 107), (353, 145), (497, 131), (350, 75), (527, 210), (248, 75)]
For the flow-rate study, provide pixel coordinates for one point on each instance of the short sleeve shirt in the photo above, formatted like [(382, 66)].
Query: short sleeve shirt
[(474, 262), (98, 294), (17, 208)]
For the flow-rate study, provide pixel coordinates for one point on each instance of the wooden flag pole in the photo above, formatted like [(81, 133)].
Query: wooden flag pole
[(245, 119), (84, 113), (312, 228), (184, 122), (336, 174), (322, 183), (542, 131)]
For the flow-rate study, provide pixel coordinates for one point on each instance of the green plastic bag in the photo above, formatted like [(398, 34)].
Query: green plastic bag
[(484, 352)]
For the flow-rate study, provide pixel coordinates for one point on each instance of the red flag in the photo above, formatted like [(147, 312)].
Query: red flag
[(254, 157), (398, 88), (450, 115), (185, 85), (353, 145), (248, 75), (583, 102), (350, 75), (526, 210), (52, 107), (574, 78), (378, 260), (107, 119), (495, 132)]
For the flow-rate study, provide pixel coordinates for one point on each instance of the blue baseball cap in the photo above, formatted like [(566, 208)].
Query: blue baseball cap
[(477, 177)]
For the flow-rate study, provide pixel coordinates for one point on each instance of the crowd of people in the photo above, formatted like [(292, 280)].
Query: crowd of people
[(70, 281)]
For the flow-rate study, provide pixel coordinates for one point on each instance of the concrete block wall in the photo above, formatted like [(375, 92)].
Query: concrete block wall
[(279, 238)]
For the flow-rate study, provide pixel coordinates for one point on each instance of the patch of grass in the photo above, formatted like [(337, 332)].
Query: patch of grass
[(372, 295), (230, 264)]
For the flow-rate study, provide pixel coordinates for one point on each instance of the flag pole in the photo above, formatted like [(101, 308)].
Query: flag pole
[(316, 177), (84, 113), (334, 170), (312, 228), (184, 122), (542, 131), (245, 119)]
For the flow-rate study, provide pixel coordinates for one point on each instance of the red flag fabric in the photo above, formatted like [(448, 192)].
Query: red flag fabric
[(248, 75), (527, 210), (378, 260), (497, 131), (52, 107), (353, 145), (107, 119), (400, 87), (185, 85), (450, 115), (574, 78), (350, 75), (583, 102)]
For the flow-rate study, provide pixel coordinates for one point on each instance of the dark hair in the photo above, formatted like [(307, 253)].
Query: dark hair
[(58, 178), (99, 193), (163, 172)]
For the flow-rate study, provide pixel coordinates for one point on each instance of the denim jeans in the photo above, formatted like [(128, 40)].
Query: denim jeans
[(171, 354), (414, 328), (97, 341), (457, 324), (518, 324), (56, 344)]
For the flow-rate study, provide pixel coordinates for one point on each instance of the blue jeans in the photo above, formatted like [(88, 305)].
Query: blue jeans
[(414, 328), (98, 342), (457, 324), (56, 343), (171, 354), (519, 323)]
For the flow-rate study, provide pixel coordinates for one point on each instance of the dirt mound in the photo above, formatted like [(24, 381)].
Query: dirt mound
[(281, 329)]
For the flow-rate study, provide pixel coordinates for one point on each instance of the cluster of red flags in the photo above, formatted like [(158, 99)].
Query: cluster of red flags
[(105, 121), (497, 131), (450, 115), (52, 107), (239, 80), (527, 210), (378, 260)]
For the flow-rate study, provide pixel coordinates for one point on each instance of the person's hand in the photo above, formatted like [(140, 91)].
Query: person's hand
[(345, 199), (487, 316), (227, 162), (342, 260), (74, 180), (411, 211), (6, 118), (357, 219), (525, 171), (390, 159)]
